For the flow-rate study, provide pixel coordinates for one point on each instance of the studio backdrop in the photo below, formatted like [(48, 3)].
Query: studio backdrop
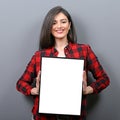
[(97, 23)]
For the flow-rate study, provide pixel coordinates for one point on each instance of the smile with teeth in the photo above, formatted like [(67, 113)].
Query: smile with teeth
[(60, 31)]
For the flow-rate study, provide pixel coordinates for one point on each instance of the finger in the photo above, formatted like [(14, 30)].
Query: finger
[(38, 79), (84, 76), (84, 84), (37, 84), (39, 73), (38, 76), (84, 80), (34, 91)]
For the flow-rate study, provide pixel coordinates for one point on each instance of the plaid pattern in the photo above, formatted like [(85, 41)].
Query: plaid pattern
[(79, 51)]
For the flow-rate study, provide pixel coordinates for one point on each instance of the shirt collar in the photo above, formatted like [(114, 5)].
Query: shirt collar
[(69, 46), (55, 52)]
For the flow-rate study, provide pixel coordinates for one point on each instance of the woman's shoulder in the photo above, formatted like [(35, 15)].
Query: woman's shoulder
[(78, 45), (42, 51), (38, 52)]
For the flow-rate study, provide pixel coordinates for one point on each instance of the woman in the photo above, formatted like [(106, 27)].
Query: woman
[(58, 39)]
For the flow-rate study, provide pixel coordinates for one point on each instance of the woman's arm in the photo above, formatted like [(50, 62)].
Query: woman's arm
[(23, 85), (99, 74)]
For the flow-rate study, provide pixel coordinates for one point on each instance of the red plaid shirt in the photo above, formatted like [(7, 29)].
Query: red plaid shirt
[(79, 51)]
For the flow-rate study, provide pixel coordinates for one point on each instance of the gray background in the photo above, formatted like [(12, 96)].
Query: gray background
[(97, 23)]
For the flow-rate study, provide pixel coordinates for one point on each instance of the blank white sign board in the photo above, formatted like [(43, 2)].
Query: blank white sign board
[(61, 86)]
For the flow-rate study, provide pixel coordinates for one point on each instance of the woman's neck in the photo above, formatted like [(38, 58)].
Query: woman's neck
[(60, 44)]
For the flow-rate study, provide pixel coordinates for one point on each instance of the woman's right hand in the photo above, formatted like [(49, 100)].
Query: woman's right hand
[(35, 90)]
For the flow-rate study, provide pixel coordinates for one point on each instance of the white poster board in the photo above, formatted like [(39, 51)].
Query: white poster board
[(61, 86)]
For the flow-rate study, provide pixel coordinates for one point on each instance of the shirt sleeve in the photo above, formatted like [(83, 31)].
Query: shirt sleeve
[(99, 74), (24, 84)]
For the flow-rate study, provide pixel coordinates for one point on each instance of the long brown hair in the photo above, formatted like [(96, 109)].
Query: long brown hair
[(46, 38)]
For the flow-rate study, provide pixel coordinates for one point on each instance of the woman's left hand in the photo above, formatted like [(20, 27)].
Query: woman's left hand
[(86, 89)]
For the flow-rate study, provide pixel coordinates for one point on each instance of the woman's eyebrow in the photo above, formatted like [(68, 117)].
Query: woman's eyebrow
[(61, 19)]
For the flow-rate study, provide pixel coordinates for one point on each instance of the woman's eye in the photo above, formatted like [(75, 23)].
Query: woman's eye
[(54, 23), (63, 21)]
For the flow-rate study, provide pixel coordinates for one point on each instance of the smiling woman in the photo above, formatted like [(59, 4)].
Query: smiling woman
[(60, 27), (57, 22), (58, 39)]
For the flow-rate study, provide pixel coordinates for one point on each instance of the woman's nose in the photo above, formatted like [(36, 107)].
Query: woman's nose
[(58, 25)]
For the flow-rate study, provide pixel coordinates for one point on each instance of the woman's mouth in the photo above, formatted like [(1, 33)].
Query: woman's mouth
[(59, 31)]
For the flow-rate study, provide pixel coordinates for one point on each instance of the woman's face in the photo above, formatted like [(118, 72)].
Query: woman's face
[(60, 27)]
